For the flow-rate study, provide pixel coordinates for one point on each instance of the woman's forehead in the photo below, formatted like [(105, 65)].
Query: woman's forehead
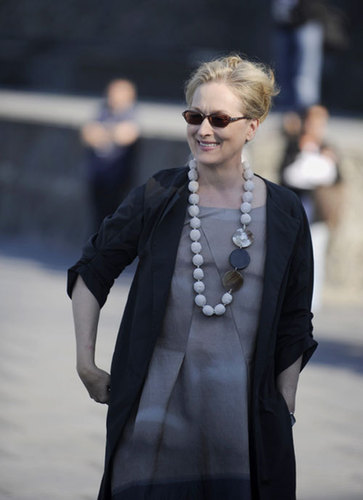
[(216, 95)]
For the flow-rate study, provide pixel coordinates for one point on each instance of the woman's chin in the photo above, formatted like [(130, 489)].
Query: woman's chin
[(208, 158)]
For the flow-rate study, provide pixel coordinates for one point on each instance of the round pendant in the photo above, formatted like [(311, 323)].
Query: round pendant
[(243, 238), (232, 280), (239, 258)]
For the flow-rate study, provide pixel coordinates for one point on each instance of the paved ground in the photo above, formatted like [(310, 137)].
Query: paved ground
[(52, 435)]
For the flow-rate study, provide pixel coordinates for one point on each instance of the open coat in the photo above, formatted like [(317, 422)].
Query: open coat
[(148, 225)]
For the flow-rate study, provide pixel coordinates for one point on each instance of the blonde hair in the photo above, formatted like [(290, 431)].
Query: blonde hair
[(253, 83)]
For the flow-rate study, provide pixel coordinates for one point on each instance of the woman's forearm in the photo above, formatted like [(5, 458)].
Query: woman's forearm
[(287, 383), (86, 312)]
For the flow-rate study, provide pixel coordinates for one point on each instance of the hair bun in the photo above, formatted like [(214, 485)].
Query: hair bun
[(233, 61)]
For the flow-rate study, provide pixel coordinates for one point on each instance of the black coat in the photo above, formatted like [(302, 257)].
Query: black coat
[(148, 225)]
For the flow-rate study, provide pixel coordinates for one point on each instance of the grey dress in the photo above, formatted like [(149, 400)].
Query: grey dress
[(188, 434)]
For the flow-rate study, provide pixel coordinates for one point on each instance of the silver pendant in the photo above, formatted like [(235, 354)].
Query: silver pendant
[(243, 238)]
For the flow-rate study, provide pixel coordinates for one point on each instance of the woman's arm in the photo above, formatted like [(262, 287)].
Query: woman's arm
[(86, 312), (287, 383)]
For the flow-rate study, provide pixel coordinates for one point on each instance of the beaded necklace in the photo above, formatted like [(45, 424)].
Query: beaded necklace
[(242, 238)]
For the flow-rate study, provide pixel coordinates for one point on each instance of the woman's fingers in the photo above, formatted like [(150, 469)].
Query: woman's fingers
[(97, 382)]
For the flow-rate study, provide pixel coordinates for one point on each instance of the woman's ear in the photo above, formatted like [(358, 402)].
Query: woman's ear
[(252, 129)]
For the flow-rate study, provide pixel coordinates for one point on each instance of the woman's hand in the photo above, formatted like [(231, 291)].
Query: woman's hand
[(97, 383)]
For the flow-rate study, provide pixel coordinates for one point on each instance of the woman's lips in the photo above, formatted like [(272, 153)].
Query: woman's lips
[(208, 145)]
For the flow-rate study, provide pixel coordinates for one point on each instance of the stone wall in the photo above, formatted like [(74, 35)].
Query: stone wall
[(43, 192)]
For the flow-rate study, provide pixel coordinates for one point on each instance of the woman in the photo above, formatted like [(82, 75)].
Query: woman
[(217, 325), (310, 168)]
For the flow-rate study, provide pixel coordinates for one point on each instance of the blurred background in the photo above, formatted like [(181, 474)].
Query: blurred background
[(57, 60)]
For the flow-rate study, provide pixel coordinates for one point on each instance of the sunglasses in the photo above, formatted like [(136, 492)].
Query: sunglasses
[(219, 120)]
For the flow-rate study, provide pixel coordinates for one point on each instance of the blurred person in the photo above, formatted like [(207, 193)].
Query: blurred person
[(310, 168), (217, 325), (110, 140), (303, 29)]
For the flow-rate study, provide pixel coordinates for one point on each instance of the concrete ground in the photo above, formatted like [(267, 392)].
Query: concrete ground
[(52, 434)]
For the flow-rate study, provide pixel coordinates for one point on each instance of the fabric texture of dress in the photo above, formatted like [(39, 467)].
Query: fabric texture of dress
[(188, 435)]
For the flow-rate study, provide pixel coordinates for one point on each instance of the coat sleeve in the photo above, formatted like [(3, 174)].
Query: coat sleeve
[(110, 250), (294, 334)]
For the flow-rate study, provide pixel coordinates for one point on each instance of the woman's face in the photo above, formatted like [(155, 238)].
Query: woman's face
[(213, 146)]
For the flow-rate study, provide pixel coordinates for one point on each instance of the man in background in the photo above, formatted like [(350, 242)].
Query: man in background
[(110, 140)]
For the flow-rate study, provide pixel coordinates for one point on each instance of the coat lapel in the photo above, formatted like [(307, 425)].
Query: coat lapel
[(281, 232), (164, 250)]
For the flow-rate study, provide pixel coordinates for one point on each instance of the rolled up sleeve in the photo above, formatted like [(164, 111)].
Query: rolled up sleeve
[(110, 250)]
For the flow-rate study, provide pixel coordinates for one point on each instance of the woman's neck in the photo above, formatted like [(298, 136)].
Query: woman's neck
[(220, 178), (220, 187), (223, 187)]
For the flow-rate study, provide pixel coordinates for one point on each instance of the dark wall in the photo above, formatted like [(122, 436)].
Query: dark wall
[(43, 190), (77, 46)]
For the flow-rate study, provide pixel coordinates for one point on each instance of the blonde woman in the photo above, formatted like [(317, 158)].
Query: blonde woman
[(217, 325)]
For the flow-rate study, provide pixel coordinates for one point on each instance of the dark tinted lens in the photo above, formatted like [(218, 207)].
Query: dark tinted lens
[(193, 118), (219, 120)]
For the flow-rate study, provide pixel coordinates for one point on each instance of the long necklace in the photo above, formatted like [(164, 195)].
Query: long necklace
[(242, 238)]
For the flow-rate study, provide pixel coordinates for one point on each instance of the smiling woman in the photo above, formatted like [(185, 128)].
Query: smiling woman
[(217, 326), (216, 145)]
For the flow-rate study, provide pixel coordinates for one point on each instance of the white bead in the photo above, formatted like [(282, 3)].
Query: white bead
[(197, 259), (208, 310), (248, 174), (193, 186), (247, 196), (193, 175), (249, 185), (195, 222), (246, 207), (245, 219), (199, 287), (200, 300), (196, 247), (219, 309), (194, 198), (192, 163), (198, 274), (227, 298), (195, 234), (193, 210)]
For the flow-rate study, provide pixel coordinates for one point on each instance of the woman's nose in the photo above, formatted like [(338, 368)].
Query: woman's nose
[(205, 128)]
